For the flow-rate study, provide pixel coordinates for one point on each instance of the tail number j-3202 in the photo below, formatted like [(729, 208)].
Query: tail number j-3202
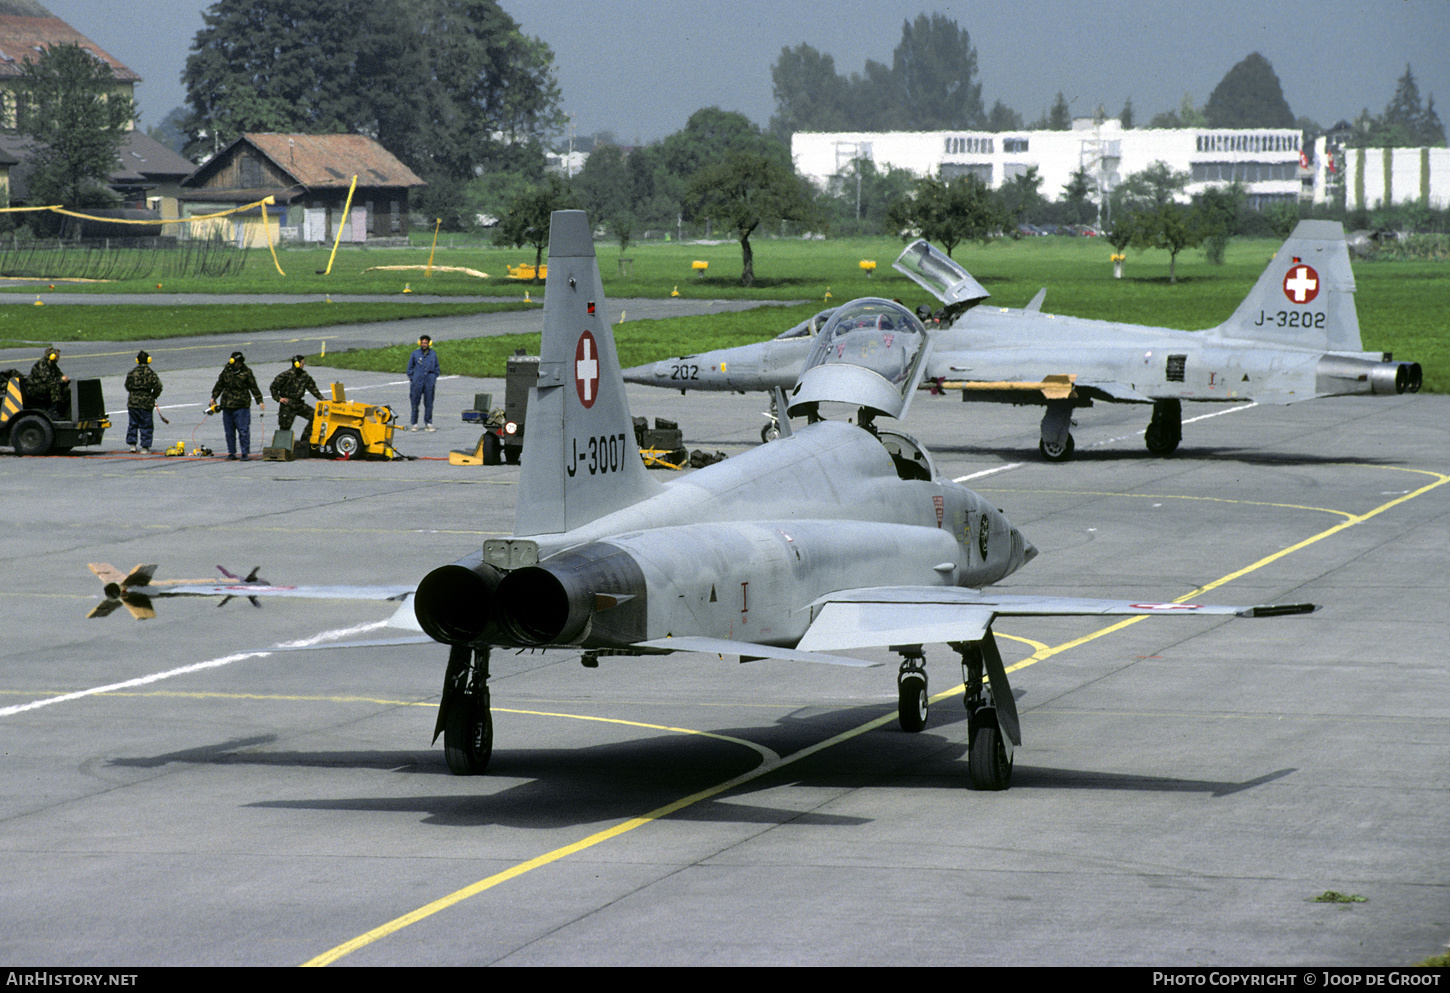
[(605, 453)]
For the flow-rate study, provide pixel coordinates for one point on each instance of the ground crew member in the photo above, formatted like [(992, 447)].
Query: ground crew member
[(423, 372), (289, 388), (143, 386), (48, 383), (234, 390)]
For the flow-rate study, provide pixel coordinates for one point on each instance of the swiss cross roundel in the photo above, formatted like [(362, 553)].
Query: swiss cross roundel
[(586, 369), (1301, 283)]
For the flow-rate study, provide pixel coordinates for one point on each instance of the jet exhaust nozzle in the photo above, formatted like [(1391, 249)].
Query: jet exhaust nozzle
[(1379, 378), (594, 593), (455, 604)]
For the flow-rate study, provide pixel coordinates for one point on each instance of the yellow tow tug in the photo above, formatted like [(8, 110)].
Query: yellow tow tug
[(352, 430)]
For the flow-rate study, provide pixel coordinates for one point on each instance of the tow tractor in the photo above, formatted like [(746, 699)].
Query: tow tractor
[(32, 427)]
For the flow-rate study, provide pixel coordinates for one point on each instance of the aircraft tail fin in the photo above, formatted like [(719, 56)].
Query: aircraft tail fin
[(580, 460), (1304, 297)]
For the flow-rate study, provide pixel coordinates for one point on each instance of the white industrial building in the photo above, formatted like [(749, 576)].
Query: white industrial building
[(1265, 160), (1378, 177)]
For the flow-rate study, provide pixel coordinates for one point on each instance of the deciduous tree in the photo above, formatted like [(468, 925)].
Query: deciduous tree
[(70, 104)]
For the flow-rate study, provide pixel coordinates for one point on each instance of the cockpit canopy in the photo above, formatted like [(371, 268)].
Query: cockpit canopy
[(807, 327), (871, 354)]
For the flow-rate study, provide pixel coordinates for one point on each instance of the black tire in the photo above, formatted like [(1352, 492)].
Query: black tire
[(1160, 442), (911, 704), (987, 758), (468, 736), (32, 435), (1057, 453), (347, 443), (492, 449), (511, 453), (770, 432)]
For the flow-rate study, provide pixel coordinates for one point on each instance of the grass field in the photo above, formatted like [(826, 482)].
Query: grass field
[(1404, 306)]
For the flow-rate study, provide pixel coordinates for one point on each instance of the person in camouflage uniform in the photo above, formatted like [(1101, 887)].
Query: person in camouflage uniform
[(46, 382), (143, 386), (234, 390), (289, 388)]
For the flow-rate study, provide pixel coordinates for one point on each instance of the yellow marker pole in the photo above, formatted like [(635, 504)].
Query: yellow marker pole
[(428, 272), (346, 211), (268, 226)]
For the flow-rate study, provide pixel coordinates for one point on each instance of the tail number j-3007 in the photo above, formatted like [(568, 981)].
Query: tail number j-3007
[(605, 453)]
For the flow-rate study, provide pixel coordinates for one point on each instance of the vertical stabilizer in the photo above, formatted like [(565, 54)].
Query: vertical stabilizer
[(1305, 297), (580, 460)]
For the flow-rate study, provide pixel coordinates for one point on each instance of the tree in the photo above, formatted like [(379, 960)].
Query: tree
[(1249, 96), (1125, 116), (809, 96), (933, 69), (1060, 117), (1144, 211), (435, 81), (948, 212), (1077, 206), (1020, 196), (858, 198), (526, 221), (1216, 213), (1003, 118), (69, 103), (169, 132), (749, 188)]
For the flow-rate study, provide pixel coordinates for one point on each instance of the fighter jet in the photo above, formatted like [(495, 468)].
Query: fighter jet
[(1294, 337), (834, 538)]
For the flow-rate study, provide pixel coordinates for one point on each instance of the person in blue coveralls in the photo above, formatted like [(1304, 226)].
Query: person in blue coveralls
[(423, 373)]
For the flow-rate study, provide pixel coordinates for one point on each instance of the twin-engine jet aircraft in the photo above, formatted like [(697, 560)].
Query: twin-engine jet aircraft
[(1294, 337), (834, 538)]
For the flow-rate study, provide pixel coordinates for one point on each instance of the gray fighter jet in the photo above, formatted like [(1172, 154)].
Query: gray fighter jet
[(1294, 337), (833, 538)]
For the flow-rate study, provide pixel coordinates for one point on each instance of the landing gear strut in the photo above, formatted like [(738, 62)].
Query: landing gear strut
[(1165, 430), (1057, 444), (911, 691), (992, 726), (464, 717)]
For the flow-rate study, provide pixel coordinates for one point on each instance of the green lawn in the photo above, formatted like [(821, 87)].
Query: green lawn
[(1404, 306)]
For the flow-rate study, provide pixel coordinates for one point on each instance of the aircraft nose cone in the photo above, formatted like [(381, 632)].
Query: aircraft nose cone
[(644, 375), (1029, 550)]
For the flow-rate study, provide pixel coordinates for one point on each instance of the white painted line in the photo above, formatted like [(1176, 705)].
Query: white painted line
[(156, 677)]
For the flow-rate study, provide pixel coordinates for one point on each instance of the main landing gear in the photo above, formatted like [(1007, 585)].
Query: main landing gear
[(1056, 444), (993, 730), (1165, 430), (464, 717)]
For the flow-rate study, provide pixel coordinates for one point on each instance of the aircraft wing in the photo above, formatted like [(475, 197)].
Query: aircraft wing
[(911, 615), (749, 650)]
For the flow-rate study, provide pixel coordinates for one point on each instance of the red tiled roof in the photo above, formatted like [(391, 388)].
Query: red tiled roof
[(322, 160), (24, 34)]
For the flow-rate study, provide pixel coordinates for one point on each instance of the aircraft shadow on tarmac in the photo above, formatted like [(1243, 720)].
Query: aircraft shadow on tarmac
[(567, 786)]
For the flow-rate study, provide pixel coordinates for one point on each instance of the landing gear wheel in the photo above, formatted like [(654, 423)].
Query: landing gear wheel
[(1056, 453), (1160, 442), (911, 702), (32, 435), (468, 736), (987, 757), (347, 443), (770, 432)]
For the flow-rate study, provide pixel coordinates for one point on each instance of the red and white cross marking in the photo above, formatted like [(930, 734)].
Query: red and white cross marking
[(1301, 283), (586, 369)]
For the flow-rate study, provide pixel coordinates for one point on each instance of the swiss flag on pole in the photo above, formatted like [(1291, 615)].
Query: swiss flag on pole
[(1303, 160)]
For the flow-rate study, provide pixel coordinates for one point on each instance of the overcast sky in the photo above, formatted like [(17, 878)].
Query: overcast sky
[(640, 68)]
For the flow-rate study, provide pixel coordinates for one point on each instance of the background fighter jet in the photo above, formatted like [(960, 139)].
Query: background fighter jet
[(1294, 337)]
